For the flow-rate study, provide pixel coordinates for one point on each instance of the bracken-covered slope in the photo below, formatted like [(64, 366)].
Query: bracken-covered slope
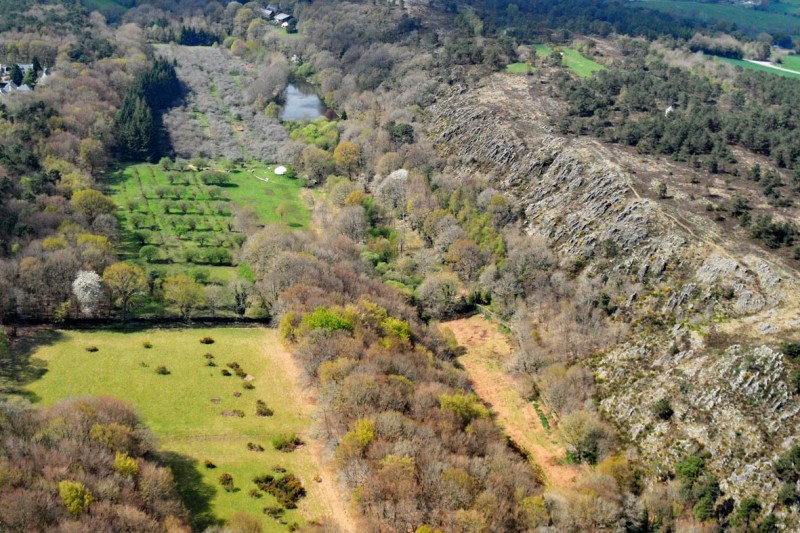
[(707, 306)]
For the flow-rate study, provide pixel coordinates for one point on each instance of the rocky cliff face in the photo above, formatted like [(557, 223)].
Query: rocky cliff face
[(723, 299)]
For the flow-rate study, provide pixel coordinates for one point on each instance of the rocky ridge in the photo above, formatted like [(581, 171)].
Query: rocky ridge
[(725, 299)]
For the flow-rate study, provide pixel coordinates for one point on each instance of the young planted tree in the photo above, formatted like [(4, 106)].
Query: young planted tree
[(126, 283), (149, 253)]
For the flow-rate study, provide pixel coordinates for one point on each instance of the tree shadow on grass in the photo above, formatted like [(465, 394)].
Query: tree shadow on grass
[(19, 368), (195, 494)]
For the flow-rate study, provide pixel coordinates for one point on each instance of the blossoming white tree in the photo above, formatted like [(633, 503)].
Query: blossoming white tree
[(88, 289)]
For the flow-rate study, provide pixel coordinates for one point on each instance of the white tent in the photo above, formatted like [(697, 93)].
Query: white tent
[(280, 171)]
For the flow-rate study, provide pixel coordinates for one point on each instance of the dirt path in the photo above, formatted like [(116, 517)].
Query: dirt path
[(333, 498), (486, 361)]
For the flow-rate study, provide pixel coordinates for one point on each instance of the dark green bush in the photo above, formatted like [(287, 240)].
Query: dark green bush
[(791, 350), (287, 442), (262, 409), (226, 480), (287, 490), (662, 409)]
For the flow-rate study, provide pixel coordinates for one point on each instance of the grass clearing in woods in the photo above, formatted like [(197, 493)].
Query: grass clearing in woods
[(519, 68), (185, 219), (184, 408), (792, 62), (759, 68), (572, 59)]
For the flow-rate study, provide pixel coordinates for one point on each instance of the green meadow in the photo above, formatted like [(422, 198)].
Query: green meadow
[(572, 59), (792, 62), (759, 68), (519, 68), (746, 18), (189, 410)]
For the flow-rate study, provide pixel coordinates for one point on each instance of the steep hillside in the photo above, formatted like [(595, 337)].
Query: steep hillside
[(704, 307)]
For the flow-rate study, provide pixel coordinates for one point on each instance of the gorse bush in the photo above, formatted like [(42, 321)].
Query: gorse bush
[(125, 464), (287, 489), (286, 442), (75, 496), (325, 318), (226, 480), (662, 409), (262, 409)]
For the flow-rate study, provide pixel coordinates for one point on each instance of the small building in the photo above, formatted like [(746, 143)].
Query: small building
[(282, 18), (267, 13), (7, 88), (5, 70)]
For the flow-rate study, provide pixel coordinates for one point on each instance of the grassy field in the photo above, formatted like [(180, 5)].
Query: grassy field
[(792, 62), (572, 59), (264, 197), (580, 65), (745, 18), (184, 408), (192, 222), (519, 68), (759, 68)]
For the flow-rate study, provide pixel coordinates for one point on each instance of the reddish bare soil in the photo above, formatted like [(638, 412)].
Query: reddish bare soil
[(487, 362)]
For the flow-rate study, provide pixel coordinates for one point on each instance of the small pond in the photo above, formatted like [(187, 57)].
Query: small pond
[(301, 103)]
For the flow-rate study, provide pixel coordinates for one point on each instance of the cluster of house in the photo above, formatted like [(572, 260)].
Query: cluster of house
[(273, 14), (7, 85)]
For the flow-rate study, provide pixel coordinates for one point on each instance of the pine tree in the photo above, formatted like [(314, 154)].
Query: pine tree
[(16, 74), (135, 128)]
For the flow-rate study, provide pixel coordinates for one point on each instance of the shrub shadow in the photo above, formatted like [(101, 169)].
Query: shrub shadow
[(195, 493), (18, 367)]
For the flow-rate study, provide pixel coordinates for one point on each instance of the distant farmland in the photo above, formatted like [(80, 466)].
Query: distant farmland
[(747, 19)]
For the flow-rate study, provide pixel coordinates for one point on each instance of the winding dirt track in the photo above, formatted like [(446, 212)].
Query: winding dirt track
[(333, 498), (486, 362)]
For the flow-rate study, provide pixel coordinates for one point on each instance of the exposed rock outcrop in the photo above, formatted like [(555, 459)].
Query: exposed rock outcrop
[(729, 396)]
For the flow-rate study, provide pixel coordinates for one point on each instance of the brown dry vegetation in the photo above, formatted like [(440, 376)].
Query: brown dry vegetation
[(489, 362)]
